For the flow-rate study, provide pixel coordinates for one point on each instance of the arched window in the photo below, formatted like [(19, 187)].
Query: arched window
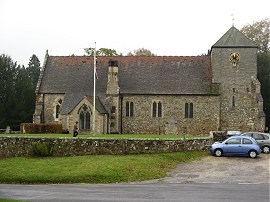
[(57, 108), (81, 120), (57, 111), (157, 109), (85, 118), (154, 109), (186, 110), (189, 110), (129, 109)]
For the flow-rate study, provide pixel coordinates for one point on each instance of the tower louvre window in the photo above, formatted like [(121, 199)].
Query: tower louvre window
[(233, 101), (113, 109)]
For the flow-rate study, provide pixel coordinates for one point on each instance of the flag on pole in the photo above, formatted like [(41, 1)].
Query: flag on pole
[(96, 73), (94, 93)]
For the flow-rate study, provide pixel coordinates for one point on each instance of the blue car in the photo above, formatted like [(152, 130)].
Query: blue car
[(236, 145)]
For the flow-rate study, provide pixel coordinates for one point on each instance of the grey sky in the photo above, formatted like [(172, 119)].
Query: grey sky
[(170, 27)]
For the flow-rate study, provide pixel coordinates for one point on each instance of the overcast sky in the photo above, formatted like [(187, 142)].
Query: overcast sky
[(166, 27)]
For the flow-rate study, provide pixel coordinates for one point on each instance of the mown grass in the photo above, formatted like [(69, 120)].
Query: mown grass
[(10, 200), (93, 168), (108, 135)]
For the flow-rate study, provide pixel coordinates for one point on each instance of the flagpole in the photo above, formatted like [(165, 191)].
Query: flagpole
[(94, 97)]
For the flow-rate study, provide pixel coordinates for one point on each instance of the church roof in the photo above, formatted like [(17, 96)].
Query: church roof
[(72, 99), (234, 38), (73, 75)]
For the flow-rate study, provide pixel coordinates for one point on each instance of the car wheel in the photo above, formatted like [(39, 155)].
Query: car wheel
[(266, 149), (218, 152), (252, 154)]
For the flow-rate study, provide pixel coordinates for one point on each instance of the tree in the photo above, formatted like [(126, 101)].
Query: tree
[(259, 32), (8, 72), (264, 78), (24, 98), (101, 52), (206, 54), (17, 92), (34, 69), (141, 52)]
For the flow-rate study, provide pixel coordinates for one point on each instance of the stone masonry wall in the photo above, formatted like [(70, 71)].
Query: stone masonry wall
[(206, 111), (21, 146), (50, 102), (239, 104)]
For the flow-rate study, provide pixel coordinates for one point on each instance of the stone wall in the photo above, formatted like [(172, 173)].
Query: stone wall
[(50, 102), (239, 101), (206, 111), (21, 146)]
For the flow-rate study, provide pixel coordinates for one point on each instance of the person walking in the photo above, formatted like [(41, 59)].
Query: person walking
[(75, 129)]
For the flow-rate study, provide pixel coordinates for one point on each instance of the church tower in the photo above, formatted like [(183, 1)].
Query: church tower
[(234, 68)]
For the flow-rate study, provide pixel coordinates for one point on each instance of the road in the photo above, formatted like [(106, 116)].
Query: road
[(157, 192)]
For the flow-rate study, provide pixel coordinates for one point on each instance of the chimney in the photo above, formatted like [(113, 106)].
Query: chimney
[(112, 84)]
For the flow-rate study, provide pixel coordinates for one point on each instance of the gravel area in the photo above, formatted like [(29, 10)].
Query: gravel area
[(213, 169)]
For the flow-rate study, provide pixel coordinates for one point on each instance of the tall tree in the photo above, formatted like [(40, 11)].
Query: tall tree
[(24, 98), (101, 52), (8, 73), (264, 78), (141, 52), (17, 92), (34, 68), (259, 32)]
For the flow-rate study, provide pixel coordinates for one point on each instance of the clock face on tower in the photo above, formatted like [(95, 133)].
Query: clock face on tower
[(234, 58)]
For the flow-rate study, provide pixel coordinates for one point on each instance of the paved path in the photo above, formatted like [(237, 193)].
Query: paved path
[(213, 169)]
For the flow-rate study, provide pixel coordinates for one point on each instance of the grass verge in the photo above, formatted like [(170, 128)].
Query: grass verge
[(93, 168), (107, 135), (10, 200)]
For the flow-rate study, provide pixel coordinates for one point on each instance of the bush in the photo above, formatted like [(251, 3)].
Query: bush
[(66, 131), (41, 149), (40, 128)]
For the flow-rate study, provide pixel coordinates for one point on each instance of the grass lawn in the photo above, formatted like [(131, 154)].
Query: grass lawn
[(108, 135), (9, 200), (92, 168)]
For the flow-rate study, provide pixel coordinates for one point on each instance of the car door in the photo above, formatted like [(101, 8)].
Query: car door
[(233, 146), (259, 138), (246, 145)]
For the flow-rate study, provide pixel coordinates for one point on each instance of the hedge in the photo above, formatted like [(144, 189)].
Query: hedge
[(40, 128)]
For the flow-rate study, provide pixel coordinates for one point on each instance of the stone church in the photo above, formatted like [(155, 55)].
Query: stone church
[(155, 94)]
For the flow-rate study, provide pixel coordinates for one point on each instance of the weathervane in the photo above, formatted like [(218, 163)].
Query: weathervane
[(232, 19)]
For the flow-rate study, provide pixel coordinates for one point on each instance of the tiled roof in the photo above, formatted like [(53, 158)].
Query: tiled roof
[(234, 38), (73, 75), (72, 99)]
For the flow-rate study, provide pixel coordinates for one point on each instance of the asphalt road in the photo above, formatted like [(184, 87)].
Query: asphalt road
[(237, 179), (222, 170), (139, 192)]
